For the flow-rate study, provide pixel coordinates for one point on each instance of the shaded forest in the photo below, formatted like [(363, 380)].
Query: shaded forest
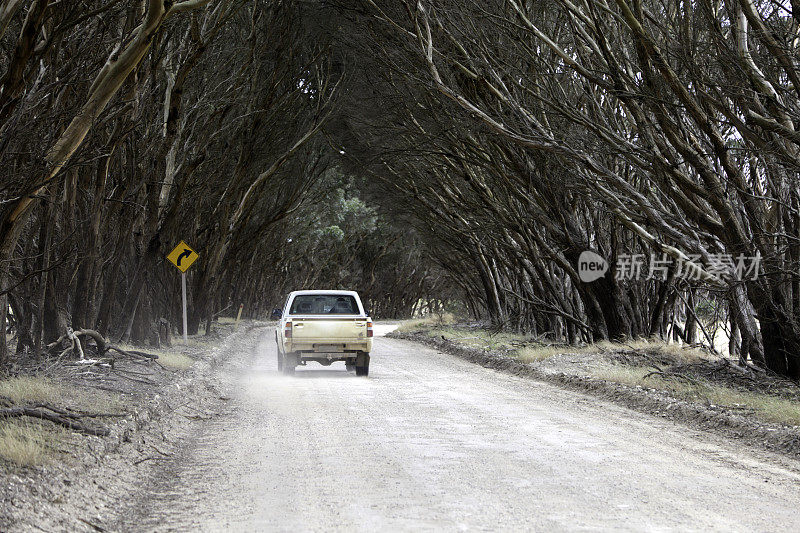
[(458, 154)]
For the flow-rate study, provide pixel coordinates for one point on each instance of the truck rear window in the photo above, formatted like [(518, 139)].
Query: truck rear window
[(324, 304)]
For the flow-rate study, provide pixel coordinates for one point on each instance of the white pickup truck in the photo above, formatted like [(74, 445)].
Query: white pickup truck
[(323, 326)]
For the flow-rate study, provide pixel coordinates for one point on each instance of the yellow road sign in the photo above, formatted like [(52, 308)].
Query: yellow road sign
[(182, 256)]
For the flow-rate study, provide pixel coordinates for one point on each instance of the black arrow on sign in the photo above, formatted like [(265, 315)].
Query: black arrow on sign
[(186, 253)]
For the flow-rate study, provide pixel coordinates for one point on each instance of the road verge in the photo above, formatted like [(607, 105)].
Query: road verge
[(82, 482), (578, 371)]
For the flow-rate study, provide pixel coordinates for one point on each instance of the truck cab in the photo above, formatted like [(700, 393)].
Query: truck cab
[(324, 326)]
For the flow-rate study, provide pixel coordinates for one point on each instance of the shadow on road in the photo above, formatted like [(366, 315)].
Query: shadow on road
[(311, 374)]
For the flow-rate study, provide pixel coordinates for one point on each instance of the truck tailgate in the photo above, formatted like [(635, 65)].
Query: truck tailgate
[(328, 329)]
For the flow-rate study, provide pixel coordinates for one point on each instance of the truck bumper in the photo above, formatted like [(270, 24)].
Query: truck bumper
[(328, 346)]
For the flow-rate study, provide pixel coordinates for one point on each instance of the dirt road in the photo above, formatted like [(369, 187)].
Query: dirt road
[(432, 442)]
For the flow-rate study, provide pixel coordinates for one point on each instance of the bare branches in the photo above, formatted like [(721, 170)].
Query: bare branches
[(187, 5), (501, 141), (67, 420), (102, 344), (7, 12)]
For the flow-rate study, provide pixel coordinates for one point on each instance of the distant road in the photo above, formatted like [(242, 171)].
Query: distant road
[(431, 442)]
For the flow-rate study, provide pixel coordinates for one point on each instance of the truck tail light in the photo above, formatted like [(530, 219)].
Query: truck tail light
[(369, 328), (287, 330)]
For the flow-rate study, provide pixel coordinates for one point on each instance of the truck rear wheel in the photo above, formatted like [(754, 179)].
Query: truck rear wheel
[(278, 350), (362, 364), (289, 362), (350, 365)]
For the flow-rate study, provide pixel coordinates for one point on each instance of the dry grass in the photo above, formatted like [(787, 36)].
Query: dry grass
[(676, 352), (29, 444), (175, 360), (766, 407), (515, 344), (532, 354), (672, 352), (22, 445), (38, 389), (431, 321), (170, 358), (627, 375), (529, 351), (31, 389), (477, 337), (199, 341)]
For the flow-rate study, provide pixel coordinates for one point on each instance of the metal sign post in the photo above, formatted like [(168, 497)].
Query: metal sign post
[(183, 257), (183, 286)]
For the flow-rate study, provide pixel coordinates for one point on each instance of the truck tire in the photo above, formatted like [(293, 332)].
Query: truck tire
[(278, 350), (362, 364), (350, 365), (289, 362)]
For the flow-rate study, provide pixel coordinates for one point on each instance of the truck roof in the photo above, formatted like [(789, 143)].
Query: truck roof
[(351, 293)]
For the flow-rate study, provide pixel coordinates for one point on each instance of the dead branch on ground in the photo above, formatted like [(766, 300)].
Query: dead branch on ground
[(66, 420), (101, 342)]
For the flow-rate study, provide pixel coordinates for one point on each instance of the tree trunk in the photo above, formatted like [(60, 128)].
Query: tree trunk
[(690, 331)]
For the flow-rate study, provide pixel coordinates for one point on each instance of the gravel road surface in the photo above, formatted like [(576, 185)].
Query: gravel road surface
[(431, 442)]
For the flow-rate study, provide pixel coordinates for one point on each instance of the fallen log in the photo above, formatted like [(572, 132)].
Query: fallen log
[(74, 413), (69, 422), (103, 345)]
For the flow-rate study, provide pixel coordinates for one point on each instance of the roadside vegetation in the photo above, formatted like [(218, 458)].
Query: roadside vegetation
[(26, 443), (430, 322), (49, 405), (58, 393), (30, 440), (686, 373), (528, 348), (767, 399), (173, 358), (31, 389)]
